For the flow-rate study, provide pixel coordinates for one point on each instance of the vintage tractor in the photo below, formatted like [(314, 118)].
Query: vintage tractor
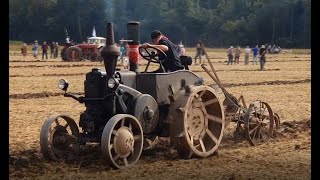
[(125, 108), (89, 50), (274, 49)]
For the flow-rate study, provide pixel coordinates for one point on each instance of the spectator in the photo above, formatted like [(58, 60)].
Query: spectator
[(237, 55), (182, 51), (199, 52), (247, 53), (44, 50), (56, 51), (255, 55), (230, 55), (35, 48), (68, 39), (24, 50), (52, 45), (262, 53), (127, 49), (122, 52)]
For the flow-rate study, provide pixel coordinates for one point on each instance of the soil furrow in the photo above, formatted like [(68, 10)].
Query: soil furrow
[(47, 94), (80, 65)]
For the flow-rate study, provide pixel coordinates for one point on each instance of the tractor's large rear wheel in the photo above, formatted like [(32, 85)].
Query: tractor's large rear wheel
[(63, 54), (96, 57), (58, 138), (196, 121), (122, 141), (73, 53)]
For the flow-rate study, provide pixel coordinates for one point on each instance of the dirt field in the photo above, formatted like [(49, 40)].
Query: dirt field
[(285, 85)]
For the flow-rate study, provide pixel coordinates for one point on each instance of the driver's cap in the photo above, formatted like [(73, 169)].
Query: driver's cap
[(155, 34)]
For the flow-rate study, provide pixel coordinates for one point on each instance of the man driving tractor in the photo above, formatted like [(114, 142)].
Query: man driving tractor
[(172, 62)]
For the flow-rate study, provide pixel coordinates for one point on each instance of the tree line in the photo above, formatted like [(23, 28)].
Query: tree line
[(219, 23)]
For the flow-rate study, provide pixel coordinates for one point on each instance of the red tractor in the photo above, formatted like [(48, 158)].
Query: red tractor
[(89, 50)]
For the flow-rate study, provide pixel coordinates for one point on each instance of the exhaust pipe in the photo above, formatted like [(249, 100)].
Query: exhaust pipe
[(110, 52)]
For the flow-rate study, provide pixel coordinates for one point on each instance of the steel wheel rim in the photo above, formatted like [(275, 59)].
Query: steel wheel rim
[(122, 141), (259, 122), (58, 137), (203, 127)]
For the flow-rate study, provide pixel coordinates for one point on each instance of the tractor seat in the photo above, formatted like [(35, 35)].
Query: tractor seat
[(185, 61)]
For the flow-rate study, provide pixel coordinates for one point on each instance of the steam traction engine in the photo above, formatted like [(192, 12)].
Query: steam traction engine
[(124, 108)]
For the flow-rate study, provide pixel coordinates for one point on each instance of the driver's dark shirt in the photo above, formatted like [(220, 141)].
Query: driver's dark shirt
[(173, 62)]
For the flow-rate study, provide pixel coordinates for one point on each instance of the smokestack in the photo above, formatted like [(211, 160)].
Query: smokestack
[(110, 52), (133, 33)]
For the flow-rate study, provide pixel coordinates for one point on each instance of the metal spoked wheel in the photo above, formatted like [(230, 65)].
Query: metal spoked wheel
[(58, 138), (197, 122), (239, 118), (259, 123), (122, 141), (239, 131)]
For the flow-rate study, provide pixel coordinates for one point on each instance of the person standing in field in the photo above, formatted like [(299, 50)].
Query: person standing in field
[(262, 54), (199, 52), (56, 50), (68, 40), (52, 45), (230, 55), (247, 51), (237, 55), (44, 50), (255, 55), (182, 51), (122, 52), (204, 52), (24, 50), (35, 48)]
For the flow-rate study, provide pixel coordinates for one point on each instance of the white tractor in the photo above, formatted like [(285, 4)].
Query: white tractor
[(99, 41)]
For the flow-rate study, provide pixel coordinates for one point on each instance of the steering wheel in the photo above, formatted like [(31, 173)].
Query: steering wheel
[(152, 54)]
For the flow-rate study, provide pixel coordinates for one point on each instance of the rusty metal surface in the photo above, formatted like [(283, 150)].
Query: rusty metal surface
[(196, 121), (277, 120), (58, 138), (259, 123), (247, 118)]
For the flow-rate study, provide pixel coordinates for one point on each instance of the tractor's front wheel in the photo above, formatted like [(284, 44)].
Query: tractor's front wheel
[(122, 141), (58, 138)]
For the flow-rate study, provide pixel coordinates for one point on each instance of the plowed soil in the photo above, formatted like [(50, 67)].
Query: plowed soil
[(285, 85)]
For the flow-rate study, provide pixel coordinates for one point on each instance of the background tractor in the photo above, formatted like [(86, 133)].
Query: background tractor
[(125, 108), (89, 50), (274, 49)]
